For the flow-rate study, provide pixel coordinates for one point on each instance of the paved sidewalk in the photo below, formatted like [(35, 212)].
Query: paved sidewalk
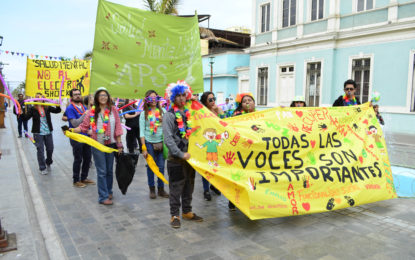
[(136, 227), (16, 208)]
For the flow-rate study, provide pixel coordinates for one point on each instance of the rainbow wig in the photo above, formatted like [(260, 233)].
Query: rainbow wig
[(240, 96), (179, 87)]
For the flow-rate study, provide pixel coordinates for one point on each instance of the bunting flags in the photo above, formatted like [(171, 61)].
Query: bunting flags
[(32, 56)]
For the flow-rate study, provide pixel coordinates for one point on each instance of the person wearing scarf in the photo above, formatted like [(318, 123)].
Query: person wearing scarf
[(105, 122), (75, 114), (42, 132), (176, 131), (348, 99), (151, 134)]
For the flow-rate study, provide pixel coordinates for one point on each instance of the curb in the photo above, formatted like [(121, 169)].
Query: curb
[(53, 244)]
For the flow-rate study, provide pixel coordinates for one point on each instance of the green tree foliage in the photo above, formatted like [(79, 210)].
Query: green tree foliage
[(20, 89), (162, 6)]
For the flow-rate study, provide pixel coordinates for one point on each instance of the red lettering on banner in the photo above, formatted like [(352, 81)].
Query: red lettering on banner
[(293, 201), (372, 186), (235, 140)]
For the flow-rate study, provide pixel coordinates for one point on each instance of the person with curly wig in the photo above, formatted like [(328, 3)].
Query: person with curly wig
[(176, 131)]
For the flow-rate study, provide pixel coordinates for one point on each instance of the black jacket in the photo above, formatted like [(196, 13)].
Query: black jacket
[(339, 102), (22, 106), (32, 112)]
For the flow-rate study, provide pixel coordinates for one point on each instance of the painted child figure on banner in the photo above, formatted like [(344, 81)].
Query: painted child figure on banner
[(212, 145), (176, 130)]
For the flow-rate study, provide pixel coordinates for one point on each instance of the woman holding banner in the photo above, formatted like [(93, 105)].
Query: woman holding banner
[(105, 123), (208, 100), (246, 104), (151, 135)]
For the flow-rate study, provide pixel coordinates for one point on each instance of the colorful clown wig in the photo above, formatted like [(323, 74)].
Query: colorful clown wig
[(178, 88), (240, 96)]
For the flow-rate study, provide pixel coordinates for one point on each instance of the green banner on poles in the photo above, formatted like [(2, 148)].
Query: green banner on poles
[(136, 50)]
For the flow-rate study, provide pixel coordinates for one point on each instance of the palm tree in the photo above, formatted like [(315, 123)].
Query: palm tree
[(162, 6), (88, 55)]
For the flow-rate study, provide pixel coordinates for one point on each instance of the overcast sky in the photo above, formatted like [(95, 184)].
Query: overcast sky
[(66, 27)]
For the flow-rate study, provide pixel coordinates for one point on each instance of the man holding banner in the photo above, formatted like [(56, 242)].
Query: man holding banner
[(42, 132), (181, 174)]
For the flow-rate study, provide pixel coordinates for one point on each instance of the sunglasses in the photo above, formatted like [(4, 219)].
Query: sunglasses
[(347, 89), (151, 99), (212, 99)]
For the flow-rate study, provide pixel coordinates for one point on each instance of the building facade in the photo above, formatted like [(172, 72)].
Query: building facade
[(310, 47), (224, 73)]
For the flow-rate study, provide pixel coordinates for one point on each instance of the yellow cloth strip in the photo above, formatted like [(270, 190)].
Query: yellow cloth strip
[(87, 140), (153, 166), (41, 103)]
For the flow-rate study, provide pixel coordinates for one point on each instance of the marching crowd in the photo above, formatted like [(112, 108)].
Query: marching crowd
[(151, 130)]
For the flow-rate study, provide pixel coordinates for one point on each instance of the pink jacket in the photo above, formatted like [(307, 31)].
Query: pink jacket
[(86, 124)]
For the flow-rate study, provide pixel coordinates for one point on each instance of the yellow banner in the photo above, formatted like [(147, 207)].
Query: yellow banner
[(293, 161), (45, 76)]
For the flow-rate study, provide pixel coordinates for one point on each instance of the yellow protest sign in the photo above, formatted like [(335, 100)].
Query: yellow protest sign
[(45, 76), (293, 161)]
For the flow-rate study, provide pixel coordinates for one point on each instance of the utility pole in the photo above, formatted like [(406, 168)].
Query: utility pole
[(2, 109), (211, 61)]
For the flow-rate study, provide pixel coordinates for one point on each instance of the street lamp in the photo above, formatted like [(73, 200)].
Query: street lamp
[(1, 40), (211, 61)]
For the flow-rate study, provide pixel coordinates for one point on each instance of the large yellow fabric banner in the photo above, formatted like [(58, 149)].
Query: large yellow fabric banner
[(45, 76), (293, 161)]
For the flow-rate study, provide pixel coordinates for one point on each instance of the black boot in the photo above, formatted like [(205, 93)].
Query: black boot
[(152, 192), (213, 188), (207, 196), (162, 193)]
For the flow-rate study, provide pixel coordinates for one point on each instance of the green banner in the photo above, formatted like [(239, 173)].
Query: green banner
[(136, 50)]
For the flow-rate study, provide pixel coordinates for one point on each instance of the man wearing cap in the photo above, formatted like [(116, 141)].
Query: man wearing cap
[(348, 99)]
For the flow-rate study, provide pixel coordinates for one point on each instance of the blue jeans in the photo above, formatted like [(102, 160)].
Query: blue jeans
[(205, 184), (42, 141), (21, 122), (81, 160), (104, 163), (158, 158)]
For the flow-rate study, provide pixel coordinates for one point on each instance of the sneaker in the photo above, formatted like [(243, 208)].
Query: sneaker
[(192, 216), (215, 190), (79, 184), (43, 172), (88, 182), (175, 222), (231, 206), (106, 202), (207, 196)]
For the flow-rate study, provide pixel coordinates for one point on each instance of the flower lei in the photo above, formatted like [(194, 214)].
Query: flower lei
[(349, 102), (154, 118), (104, 123), (186, 132)]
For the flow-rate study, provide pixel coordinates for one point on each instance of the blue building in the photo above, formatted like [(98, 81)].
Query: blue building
[(310, 47), (225, 55)]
